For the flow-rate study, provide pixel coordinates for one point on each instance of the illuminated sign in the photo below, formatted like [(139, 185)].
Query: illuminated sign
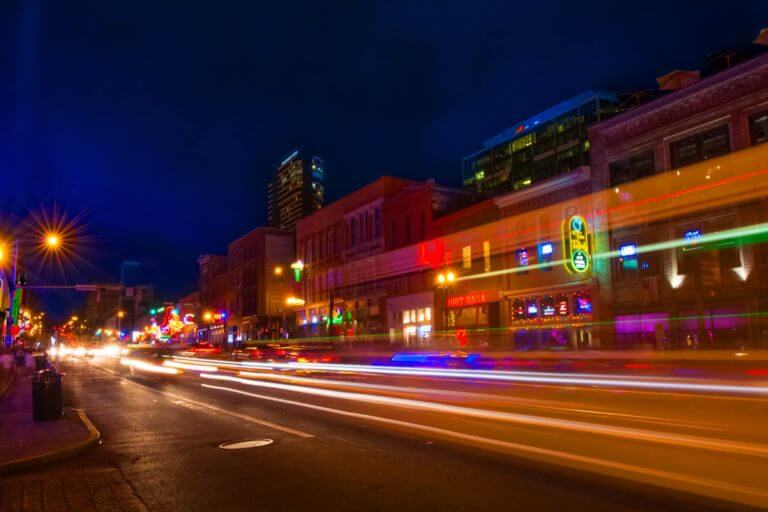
[(548, 310), (547, 249), (576, 244), (627, 251), (468, 299), (693, 234)]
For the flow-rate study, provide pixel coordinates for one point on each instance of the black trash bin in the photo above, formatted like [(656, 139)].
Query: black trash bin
[(46, 395)]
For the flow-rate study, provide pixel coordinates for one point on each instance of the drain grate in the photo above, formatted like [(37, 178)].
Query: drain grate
[(244, 445)]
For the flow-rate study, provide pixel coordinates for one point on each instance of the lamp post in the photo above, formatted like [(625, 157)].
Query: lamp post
[(443, 280), (51, 241)]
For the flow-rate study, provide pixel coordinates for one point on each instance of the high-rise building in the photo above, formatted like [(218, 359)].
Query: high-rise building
[(297, 190), (551, 143)]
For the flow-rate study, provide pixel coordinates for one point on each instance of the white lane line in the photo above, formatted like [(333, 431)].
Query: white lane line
[(694, 484), (210, 407), (635, 434)]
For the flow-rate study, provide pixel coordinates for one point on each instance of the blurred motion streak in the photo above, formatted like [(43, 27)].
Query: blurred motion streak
[(593, 428)]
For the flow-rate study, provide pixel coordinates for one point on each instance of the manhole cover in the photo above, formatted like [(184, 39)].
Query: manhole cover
[(243, 445)]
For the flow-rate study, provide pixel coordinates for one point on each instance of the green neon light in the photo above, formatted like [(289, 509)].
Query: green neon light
[(17, 295), (576, 244)]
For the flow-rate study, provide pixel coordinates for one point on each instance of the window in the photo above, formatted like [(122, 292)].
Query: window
[(702, 146), (407, 228), (546, 251), (631, 169), (466, 257), (377, 222), (352, 232), (626, 265), (486, 256), (522, 258), (758, 128)]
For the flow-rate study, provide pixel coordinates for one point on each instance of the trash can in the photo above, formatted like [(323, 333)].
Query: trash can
[(46, 395)]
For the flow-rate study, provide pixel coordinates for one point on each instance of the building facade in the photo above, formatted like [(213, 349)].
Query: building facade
[(259, 284), (548, 144), (695, 151), (297, 190)]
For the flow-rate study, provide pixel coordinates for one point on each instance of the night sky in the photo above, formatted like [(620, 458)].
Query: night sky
[(162, 121)]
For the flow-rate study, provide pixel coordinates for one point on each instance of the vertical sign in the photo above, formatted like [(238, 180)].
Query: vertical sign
[(576, 244)]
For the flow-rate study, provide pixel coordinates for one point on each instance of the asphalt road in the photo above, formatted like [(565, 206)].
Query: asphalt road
[(340, 452)]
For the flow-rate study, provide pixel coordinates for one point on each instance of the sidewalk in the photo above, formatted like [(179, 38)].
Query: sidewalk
[(25, 443)]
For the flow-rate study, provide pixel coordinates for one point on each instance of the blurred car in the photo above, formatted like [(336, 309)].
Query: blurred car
[(149, 361), (203, 349)]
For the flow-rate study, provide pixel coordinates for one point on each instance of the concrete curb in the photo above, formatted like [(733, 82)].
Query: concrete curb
[(56, 455)]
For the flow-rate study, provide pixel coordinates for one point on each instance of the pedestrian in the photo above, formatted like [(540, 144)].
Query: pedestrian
[(29, 362)]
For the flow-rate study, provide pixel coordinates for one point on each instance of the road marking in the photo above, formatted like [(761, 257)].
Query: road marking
[(204, 405), (689, 483)]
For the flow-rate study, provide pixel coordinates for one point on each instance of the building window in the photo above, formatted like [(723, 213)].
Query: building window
[(758, 128), (701, 146), (546, 251), (377, 222), (522, 259), (352, 232), (626, 267), (486, 256), (631, 169), (466, 257), (407, 229)]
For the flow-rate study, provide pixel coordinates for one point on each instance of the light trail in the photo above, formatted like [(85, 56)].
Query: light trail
[(189, 366), (631, 382), (148, 367), (539, 421), (452, 394)]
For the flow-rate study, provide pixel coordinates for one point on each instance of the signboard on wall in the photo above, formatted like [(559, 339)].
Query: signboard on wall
[(472, 299), (576, 244)]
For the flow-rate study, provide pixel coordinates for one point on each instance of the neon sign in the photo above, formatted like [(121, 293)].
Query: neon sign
[(469, 299), (576, 244)]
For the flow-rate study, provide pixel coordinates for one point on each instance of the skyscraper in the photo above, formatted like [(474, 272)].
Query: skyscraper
[(297, 190)]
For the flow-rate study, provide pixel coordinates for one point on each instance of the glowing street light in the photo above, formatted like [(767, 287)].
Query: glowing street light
[(278, 270), (52, 240), (446, 278), (120, 314), (207, 316), (294, 301)]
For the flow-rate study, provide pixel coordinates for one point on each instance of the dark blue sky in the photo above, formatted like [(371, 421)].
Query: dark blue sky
[(163, 120)]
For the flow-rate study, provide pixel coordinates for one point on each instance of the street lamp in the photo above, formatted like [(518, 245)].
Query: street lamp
[(444, 280), (52, 240), (278, 270)]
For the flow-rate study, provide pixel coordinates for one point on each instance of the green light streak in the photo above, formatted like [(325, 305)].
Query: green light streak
[(755, 233)]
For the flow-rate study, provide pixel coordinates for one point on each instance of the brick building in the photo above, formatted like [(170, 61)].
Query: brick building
[(693, 142)]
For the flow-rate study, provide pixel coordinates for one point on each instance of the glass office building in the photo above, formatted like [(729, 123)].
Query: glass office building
[(550, 143)]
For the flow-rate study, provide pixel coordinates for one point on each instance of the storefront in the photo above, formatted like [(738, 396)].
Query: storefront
[(410, 318), (551, 320), (471, 316)]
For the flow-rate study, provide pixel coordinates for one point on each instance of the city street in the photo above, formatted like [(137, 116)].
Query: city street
[(384, 256), (333, 453)]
